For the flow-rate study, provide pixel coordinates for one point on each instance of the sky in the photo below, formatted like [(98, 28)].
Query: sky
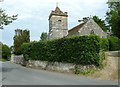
[(33, 15)]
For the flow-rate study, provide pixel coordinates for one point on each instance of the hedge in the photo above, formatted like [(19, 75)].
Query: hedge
[(25, 48), (104, 44), (78, 50), (114, 43)]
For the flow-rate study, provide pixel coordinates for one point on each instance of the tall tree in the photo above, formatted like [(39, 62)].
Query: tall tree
[(100, 22), (5, 19), (113, 17), (43, 36), (21, 36)]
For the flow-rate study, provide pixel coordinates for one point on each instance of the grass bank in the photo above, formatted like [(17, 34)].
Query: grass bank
[(3, 60)]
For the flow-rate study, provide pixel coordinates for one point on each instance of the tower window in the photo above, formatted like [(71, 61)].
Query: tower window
[(59, 20)]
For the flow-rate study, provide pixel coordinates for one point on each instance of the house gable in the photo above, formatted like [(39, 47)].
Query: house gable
[(89, 27)]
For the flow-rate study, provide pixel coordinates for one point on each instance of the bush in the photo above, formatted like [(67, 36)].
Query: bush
[(104, 44), (25, 50), (114, 43), (78, 50), (5, 52)]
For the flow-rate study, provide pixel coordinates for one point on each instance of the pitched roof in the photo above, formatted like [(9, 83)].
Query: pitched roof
[(58, 12), (76, 28)]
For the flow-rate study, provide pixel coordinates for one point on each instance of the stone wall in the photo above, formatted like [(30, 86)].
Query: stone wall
[(60, 67), (57, 33), (58, 27), (91, 25), (19, 59)]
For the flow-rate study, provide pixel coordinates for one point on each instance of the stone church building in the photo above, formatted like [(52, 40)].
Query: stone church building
[(58, 26)]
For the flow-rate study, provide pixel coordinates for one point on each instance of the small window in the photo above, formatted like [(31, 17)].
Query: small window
[(59, 20), (92, 32)]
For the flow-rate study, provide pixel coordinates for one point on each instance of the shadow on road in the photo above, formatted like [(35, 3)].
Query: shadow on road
[(3, 78), (5, 69)]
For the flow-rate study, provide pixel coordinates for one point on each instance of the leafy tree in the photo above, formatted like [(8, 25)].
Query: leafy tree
[(86, 19), (43, 36), (113, 18), (5, 19), (100, 22), (5, 52), (21, 36)]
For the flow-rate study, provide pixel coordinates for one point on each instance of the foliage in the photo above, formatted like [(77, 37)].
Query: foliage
[(43, 36), (78, 50), (104, 44), (114, 43), (100, 22), (3, 60), (5, 52), (85, 19), (113, 18), (5, 19), (22, 36), (25, 50)]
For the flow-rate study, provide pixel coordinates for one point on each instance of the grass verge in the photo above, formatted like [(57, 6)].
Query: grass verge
[(3, 60)]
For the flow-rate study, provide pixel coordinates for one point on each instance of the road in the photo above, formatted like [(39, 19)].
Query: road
[(13, 74)]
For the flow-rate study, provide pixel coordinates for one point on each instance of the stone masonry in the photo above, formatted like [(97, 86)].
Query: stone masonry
[(87, 28), (58, 26)]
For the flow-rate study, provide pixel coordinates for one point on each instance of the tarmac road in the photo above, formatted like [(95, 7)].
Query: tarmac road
[(13, 74)]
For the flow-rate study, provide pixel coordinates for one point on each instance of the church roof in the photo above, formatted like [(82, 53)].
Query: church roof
[(58, 12), (76, 28)]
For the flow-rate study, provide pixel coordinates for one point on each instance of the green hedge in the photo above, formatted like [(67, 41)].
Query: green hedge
[(78, 50), (114, 43), (104, 44), (25, 48), (5, 52)]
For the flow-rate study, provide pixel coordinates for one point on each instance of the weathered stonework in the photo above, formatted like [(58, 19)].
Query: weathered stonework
[(90, 27), (18, 59), (60, 67), (58, 26)]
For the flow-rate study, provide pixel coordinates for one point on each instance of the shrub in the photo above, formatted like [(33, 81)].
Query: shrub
[(78, 50), (104, 44), (5, 52), (25, 50), (114, 43)]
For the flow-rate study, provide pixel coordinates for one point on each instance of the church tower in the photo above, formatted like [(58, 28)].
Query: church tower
[(58, 26)]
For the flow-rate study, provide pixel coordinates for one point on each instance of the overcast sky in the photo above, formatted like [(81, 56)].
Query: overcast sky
[(33, 14)]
